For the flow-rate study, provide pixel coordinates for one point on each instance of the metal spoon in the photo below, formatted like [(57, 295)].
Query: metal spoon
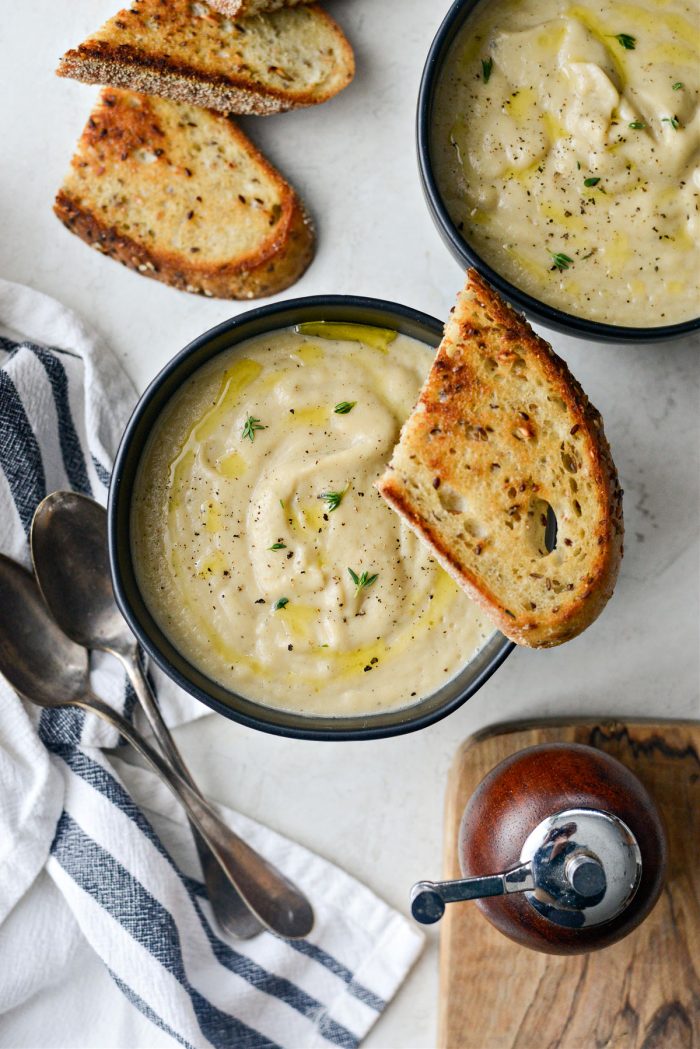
[(47, 668), (69, 551)]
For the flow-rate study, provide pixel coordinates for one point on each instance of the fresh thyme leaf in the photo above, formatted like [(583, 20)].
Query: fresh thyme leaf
[(673, 121), (637, 125), (280, 603), (625, 40), (344, 407), (591, 181), (561, 261), (362, 581), (486, 67), (333, 499), (250, 426), (278, 546), (678, 86)]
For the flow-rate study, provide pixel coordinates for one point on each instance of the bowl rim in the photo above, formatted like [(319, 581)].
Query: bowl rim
[(462, 251), (147, 632)]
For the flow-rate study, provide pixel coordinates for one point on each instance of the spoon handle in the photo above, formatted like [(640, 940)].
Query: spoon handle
[(273, 899), (230, 911), (141, 686)]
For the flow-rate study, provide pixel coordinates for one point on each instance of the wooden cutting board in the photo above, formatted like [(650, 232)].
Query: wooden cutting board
[(642, 993)]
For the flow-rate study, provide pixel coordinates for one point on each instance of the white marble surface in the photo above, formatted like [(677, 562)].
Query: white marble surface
[(376, 807)]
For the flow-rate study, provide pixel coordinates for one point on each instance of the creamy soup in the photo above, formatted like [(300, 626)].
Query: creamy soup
[(261, 546), (566, 147)]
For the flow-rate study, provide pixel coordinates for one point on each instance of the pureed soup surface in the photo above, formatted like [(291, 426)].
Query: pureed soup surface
[(253, 500), (565, 146)]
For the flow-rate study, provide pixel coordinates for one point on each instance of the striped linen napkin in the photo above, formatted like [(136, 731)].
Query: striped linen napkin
[(82, 859)]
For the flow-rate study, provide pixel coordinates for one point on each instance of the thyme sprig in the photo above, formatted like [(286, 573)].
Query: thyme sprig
[(363, 580), (344, 407), (625, 40), (486, 67), (250, 427), (333, 499), (561, 261)]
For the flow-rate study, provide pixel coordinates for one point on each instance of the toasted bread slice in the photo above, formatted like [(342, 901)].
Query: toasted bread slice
[(501, 432), (186, 51), (180, 194), (244, 8)]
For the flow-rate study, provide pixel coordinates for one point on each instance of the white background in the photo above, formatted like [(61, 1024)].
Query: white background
[(375, 807)]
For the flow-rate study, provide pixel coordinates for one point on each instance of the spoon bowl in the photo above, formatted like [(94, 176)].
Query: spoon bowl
[(36, 657), (77, 585)]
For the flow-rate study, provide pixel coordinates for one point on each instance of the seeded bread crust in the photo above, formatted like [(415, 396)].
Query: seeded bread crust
[(104, 196), (501, 431), (170, 48), (244, 8)]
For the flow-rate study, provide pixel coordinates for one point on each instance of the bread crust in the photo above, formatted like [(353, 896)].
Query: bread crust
[(125, 66), (577, 613), (244, 8), (275, 262)]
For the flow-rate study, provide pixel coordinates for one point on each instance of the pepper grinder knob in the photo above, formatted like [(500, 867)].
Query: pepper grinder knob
[(586, 875)]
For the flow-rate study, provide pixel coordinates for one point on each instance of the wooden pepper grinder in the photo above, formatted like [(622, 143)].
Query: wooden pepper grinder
[(562, 848)]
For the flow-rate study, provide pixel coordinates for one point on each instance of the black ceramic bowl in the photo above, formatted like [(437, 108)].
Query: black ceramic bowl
[(464, 253), (154, 641)]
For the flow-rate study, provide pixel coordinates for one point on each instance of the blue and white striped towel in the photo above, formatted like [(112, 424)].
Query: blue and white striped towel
[(80, 862)]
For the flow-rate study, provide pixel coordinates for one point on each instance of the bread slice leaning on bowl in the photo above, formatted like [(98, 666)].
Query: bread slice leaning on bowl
[(188, 52), (180, 194), (502, 432)]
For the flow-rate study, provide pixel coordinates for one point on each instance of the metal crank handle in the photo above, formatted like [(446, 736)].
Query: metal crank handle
[(428, 898)]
